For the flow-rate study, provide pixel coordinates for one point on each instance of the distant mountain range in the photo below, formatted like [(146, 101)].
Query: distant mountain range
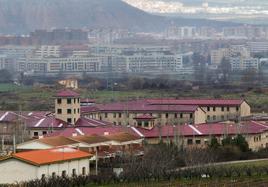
[(23, 16)]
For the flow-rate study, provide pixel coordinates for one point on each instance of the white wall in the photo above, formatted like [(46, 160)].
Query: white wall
[(18, 171), (47, 170), (13, 170)]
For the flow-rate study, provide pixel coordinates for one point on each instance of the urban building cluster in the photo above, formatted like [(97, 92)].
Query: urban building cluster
[(78, 59), (100, 51), (239, 57), (71, 139), (235, 32)]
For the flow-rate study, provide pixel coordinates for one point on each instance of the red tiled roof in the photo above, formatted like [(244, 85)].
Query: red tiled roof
[(145, 116), (48, 156), (67, 93), (87, 100), (199, 102), (89, 122), (140, 105), (216, 129), (41, 120), (46, 122), (87, 131)]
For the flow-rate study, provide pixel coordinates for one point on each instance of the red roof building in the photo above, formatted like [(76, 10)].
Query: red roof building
[(67, 93), (198, 102), (49, 156)]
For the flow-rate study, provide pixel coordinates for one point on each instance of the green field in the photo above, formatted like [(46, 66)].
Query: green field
[(33, 98)]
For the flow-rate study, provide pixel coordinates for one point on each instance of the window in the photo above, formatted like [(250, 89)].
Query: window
[(69, 101), (59, 111), (166, 115), (78, 110), (74, 173), (119, 123), (208, 117), (146, 124), (84, 171), (74, 120), (214, 117), (228, 108), (222, 117), (59, 101), (139, 123), (78, 100), (191, 115), (106, 115), (69, 111), (222, 108), (189, 141), (114, 115), (114, 123), (35, 133), (69, 120), (208, 108), (74, 111), (44, 132), (176, 115), (181, 115), (119, 115), (197, 141), (63, 173), (74, 100), (214, 108), (237, 108)]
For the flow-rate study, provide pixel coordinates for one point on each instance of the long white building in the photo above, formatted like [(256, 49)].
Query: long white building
[(30, 165)]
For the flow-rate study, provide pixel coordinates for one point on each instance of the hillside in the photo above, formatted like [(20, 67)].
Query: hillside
[(22, 16)]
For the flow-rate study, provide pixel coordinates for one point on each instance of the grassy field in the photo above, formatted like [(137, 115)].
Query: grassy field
[(240, 182), (29, 98)]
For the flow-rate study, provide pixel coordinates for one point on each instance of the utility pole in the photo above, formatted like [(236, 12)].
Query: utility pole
[(14, 143), (96, 161)]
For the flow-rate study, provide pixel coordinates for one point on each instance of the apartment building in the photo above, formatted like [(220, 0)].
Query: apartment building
[(56, 65), (215, 109), (166, 111), (258, 46), (48, 51), (233, 51), (181, 32), (239, 63), (128, 113), (256, 134)]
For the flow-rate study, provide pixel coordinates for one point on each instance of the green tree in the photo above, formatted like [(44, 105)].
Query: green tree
[(227, 141), (214, 144), (225, 68), (5, 76), (241, 142)]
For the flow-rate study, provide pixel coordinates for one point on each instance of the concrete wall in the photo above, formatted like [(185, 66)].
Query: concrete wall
[(125, 118), (13, 170), (223, 113), (18, 171), (255, 141), (74, 106), (48, 170)]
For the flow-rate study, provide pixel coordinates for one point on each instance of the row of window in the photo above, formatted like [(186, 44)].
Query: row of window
[(69, 100), (222, 108), (36, 133), (69, 111), (181, 115), (64, 173)]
